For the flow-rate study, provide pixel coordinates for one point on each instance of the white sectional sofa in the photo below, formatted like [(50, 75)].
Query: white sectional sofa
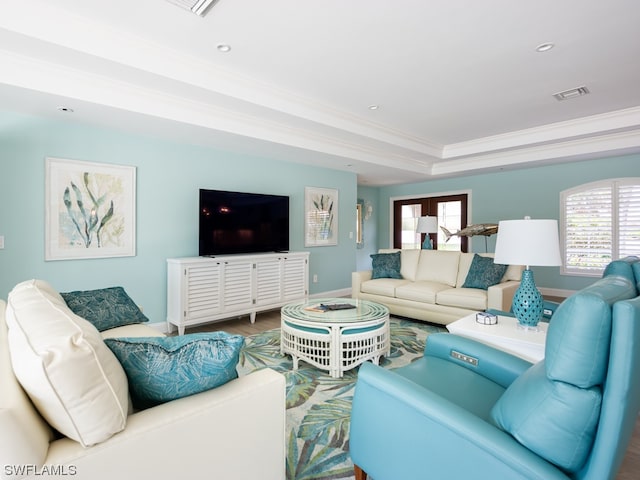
[(431, 286), (205, 435)]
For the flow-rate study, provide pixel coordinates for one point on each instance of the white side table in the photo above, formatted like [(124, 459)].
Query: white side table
[(505, 335)]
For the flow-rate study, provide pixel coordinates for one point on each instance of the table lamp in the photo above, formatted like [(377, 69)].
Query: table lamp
[(427, 225), (531, 243)]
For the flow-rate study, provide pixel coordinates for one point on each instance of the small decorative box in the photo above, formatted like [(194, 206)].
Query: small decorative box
[(486, 318)]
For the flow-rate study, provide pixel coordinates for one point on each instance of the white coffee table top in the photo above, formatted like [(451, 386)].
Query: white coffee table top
[(505, 335), (363, 312)]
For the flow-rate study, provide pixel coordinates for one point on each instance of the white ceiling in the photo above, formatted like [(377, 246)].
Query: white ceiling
[(459, 84)]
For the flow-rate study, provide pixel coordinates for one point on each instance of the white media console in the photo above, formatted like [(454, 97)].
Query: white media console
[(209, 289)]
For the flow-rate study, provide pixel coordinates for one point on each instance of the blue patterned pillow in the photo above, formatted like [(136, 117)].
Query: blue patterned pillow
[(483, 273), (385, 265), (161, 369), (106, 307)]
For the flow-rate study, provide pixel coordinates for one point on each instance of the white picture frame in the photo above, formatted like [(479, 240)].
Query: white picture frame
[(321, 216), (90, 210)]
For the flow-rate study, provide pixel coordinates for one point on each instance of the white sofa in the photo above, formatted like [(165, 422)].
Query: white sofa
[(431, 286), (235, 431)]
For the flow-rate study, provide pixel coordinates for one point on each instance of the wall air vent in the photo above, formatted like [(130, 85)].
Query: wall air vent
[(199, 7), (572, 93)]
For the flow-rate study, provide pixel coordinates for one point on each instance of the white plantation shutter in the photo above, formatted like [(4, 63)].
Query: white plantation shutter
[(600, 223)]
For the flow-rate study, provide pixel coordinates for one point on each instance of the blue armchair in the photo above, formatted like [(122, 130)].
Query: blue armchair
[(466, 410)]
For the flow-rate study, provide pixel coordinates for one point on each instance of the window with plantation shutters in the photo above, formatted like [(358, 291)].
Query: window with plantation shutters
[(600, 222)]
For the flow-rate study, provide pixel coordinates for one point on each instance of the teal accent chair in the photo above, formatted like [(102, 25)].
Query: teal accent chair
[(467, 410)]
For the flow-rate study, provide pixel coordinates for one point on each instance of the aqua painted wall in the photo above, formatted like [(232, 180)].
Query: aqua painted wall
[(168, 178), (370, 228), (513, 194)]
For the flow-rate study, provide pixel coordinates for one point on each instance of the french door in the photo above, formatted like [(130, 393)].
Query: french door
[(451, 211)]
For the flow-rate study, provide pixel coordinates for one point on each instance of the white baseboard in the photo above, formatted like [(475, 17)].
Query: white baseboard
[(160, 326), (344, 292), (556, 292)]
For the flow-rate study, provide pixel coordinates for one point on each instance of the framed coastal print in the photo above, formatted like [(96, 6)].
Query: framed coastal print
[(321, 216), (90, 210)]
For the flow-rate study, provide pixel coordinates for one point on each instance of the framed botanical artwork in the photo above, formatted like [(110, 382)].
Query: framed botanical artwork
[(90, 210), (321, 216)]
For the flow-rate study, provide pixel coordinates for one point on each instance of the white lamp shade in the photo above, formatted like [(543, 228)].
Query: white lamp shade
[(427, 225), (528, 242)]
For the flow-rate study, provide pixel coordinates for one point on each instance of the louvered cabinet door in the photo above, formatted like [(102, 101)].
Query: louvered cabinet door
[(295, 278), (202, 291), (268, 286), (236, 287), (193, 291)]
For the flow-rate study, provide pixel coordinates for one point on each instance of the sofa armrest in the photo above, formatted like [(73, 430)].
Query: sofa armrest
[(430, 432), (496, 365), (214, 431), (356, 281), (500, 296)]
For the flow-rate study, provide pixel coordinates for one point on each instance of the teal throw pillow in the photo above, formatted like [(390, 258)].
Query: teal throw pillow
[(483, 273), (385, 265), (105, 308), (161, 369), (556, 420)]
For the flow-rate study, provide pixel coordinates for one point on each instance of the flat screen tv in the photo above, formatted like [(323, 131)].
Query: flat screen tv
[(237, 222)]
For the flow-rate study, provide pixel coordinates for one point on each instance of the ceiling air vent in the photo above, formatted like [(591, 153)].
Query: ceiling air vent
[(198, 7), (572, 93)]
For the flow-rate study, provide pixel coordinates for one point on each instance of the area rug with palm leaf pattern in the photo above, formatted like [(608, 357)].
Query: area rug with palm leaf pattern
[(318, 406)]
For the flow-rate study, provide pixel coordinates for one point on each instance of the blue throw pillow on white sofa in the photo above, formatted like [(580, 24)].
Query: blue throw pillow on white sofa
[(483, 273), (161, 369), (385, 265), (105, 308)]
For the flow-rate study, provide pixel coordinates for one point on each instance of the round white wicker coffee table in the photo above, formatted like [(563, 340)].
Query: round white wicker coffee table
[(335, 340)]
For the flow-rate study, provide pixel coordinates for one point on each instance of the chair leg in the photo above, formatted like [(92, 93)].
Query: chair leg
[(359, 473)]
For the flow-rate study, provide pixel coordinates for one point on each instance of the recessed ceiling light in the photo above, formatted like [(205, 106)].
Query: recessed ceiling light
[(62, 108), (373, 107), (544, 47), (223, 47)]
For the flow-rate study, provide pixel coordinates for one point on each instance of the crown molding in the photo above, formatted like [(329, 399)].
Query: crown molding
[(618, 143), (554, 132)]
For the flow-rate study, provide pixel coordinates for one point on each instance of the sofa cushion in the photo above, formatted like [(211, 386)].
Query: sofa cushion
[(105, 307), (61, 361), (438, 266), (134, 330), (469, 298), (420, 291), (385, 265), (464, 265), (161, 369), (409, 263), (382, 286), (514, 273), (568, 416)]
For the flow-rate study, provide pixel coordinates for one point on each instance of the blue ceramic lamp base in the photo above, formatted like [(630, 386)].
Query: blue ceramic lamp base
[(528, 303)]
